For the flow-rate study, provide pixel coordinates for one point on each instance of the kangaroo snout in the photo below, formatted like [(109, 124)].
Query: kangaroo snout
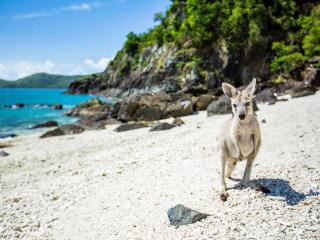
[(242, 116)]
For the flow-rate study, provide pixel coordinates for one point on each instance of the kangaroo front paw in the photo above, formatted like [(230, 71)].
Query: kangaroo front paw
[(224, 196)]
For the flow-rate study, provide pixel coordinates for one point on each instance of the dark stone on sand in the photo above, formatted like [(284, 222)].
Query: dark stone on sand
[(130, 126), (162, 126), (64, 130), (181, 215), (3, 154)]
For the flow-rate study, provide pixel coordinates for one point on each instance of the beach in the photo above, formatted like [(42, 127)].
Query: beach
[(108, 185)]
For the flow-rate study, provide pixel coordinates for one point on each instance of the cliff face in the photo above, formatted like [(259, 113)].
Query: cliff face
[(199, 44)]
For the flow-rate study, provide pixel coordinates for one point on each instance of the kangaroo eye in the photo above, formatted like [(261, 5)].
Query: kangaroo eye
[(247, 103), (234, 105)]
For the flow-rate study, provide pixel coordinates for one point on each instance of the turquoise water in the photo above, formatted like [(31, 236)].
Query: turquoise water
[(36, 108)]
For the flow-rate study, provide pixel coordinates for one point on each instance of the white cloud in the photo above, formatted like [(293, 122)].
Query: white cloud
[(102, 63), (19, 69), (33, 15), (74, 7), (82, 6)]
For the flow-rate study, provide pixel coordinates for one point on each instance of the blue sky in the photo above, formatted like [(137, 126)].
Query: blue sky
[(68, 36)]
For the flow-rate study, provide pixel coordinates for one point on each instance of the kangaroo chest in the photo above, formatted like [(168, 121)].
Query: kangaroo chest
[(242, 139)]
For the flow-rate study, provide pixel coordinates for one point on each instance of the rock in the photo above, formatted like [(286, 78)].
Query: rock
[(221, 106), (125, 111), (46, 125), (57, 106), (162, 126), (8, 135), (130, 126), (90, 108), (300, 89), (64, 130), (96, 122), (3, 154), (311, 76), (181, 215), (180, 108), (148, 113), (266, 95), (177, 121), (18, 105), (202, 102)]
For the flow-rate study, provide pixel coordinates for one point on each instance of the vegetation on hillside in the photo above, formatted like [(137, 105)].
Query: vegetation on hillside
[(293, 25), (41, 80)]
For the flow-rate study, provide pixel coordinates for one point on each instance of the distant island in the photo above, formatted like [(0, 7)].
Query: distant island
[(41, 80)]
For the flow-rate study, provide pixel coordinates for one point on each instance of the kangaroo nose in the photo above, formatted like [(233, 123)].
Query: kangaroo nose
[(242, 116)]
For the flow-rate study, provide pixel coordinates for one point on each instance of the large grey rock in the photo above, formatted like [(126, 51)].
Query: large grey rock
[(221, 106), (181, 215), (202, 102), (148, 113), (180, 108), (162, 126), (266, 96)]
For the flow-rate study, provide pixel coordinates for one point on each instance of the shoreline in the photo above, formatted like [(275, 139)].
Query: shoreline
[(102, 184)]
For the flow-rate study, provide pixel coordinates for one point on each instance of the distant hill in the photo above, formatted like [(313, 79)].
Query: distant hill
[(41, 80)]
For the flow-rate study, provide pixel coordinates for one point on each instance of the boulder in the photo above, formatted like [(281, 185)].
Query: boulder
[(162, 126), (181, 215), (130, 126), (179, 108), (18, 105), (125, 111), (46, 125), (63, 130), (311, 76), (266, 96), (202, 102), (3, 154), (96, 122), (90, 108), (220, 106), (223, 106), (148, 113), (300, 89)]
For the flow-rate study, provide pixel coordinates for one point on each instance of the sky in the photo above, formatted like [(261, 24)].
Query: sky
[(68, 36)]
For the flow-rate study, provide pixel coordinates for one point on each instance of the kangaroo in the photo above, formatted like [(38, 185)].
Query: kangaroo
[(240, 138)]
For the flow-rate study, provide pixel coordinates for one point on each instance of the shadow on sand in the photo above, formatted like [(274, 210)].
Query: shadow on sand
[(281, 188)]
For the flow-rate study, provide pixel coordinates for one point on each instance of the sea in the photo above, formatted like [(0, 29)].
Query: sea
[(37, 108)]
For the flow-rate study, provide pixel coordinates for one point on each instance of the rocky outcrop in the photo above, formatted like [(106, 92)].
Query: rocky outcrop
[(92, 107), (96, 122), (63, 130)]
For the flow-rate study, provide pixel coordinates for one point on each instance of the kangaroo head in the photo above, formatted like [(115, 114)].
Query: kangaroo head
[(241, 101)]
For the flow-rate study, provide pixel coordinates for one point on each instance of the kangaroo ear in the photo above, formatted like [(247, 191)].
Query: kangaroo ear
[(251, 88), (229, 90)]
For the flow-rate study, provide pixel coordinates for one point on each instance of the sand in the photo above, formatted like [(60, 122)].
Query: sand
[(108, 185)]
